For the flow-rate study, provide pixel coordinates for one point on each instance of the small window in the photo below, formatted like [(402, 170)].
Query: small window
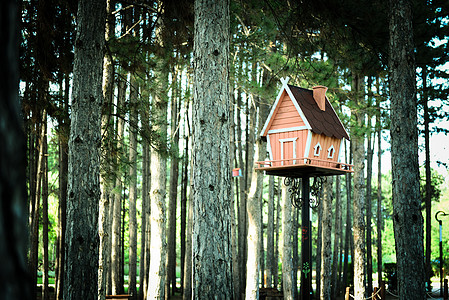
[(331, 152), (317, 149)]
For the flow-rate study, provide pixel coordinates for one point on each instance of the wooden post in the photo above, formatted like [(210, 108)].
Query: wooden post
[(347, 293), (374, 296), (382, 290), (445, 290)]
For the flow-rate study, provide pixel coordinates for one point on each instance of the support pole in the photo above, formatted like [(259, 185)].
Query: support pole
[(306, 269), (441, 258), (440, 222)]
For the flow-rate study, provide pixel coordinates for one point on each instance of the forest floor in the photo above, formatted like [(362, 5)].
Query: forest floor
[(389, 296)]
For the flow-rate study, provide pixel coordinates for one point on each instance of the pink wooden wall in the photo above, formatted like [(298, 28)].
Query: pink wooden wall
[(276, 145), (325, 142)]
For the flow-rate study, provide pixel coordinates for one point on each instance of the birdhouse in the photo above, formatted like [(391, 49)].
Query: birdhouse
[(236, 172), (304, 135)]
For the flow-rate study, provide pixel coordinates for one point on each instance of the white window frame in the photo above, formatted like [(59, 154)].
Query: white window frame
[(330, 151), (317, 149), (282, 141)]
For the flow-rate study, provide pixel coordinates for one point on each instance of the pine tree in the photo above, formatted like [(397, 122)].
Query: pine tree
[(15, 280), (407, 217), (84, 160), (212, 266)]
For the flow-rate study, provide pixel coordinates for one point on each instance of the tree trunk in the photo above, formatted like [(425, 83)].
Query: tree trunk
[(144, 236), (63, 134), (407, 217), (188, 267), (105, 178), (326, 252), (287, 268), (156, 286), (242, 211), (379, 203), (234, 231), (173, 192), (295, 249), (14, 276), (145, 215), (336, 258), (428, 193), (212, 266), (185, 181), (116, 261), (277, 235), (45, 263), (81, 269), (35, 211), (319, 249), (369, 175), (132, 204), (359, 196), (271, 270), (348, 232), (254, 227)]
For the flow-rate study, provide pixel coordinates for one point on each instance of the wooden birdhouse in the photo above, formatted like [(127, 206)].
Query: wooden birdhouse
[(304, 134)]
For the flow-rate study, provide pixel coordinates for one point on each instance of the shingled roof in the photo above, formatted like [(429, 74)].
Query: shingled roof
[(322, 122)]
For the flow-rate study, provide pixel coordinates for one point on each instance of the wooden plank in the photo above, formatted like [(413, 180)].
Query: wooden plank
[(118, 297)]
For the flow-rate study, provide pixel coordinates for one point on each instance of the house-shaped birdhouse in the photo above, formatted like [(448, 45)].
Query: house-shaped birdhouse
[(304, 135)]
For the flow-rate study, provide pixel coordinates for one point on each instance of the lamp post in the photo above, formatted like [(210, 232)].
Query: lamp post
[(441, 247)]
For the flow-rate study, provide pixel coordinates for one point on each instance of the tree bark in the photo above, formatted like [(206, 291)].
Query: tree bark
[(63, 134), (379, 202), (185, 180), (287, 267), (173, 192), (319, 249), (348, 233), (14, 276), (295, 250), (277, 235), (212, 266), (45, 262), (187, 288), (106, 180), (359, 196), (242, 211), (407, 217), (271, 270), (234, 231), (116, 261), (144, 236), (326, 252), (254, 226), (132, 204), (156, 287), (336, 258), (82, 238), (369, 175), (428, 193)]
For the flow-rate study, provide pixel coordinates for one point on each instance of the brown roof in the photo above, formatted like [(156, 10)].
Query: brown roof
[(322, 122)]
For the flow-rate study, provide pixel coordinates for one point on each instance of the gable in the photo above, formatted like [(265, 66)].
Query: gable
[(282, 111), (285, 115)]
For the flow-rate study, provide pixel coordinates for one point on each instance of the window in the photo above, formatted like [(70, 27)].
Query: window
[(317, 149), (331, 152)]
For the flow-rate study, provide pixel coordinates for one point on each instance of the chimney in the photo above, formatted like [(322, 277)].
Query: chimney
[(319, 94)]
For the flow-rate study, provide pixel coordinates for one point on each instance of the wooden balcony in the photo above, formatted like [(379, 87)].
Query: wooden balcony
[(303, 167)]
